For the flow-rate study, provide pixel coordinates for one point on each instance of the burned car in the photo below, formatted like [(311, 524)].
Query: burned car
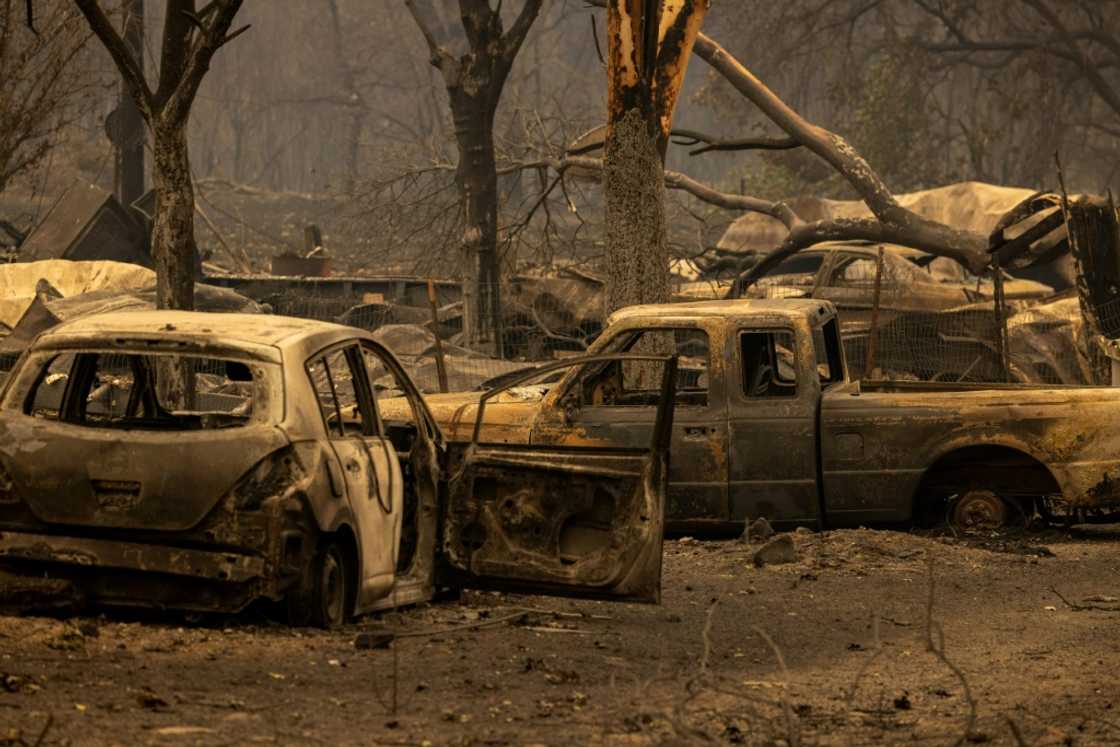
[(205, 461), (775, 427)]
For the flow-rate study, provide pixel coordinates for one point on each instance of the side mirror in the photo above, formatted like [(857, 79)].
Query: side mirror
[(571, 407)]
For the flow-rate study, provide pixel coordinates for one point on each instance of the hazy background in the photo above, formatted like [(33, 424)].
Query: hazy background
[(328, 111)]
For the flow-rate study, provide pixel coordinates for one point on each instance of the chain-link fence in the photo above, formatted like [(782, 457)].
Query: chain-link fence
[(904, 321)]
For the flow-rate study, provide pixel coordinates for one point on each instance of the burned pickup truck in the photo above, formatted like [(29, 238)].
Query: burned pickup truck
[(768, 424), (204, 461)]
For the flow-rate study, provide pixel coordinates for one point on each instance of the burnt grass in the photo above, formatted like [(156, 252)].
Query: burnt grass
[(1018, 645)]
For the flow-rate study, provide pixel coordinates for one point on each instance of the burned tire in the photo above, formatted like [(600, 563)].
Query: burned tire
[(323, 594), (979, 510)]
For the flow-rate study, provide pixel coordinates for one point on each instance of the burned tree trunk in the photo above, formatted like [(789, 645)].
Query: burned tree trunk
[(191, 36), (477, 179), (649, 43), (474, 82), (173, 228), (634, 187)]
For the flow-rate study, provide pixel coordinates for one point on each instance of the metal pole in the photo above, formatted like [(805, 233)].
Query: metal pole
[(873, 333), (1001, 318), (131, 133), (441, 365)]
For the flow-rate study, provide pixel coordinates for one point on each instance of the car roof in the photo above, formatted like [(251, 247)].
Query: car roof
[(792, 308), (246, 331)]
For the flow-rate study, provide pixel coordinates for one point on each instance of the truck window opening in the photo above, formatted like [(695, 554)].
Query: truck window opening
[(769, 363)]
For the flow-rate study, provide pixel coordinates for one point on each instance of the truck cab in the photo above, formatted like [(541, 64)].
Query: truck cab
[(747, 404)]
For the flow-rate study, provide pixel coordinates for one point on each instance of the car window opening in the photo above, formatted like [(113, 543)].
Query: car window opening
[(638, 383), (145, 391)]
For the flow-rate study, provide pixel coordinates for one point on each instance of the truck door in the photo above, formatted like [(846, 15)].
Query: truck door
[(577, 520), (616, 404), (371, 472), (773, 425)]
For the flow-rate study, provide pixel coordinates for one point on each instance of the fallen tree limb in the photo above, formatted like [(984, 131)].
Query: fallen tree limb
[(894, 224), (904, 226), (1082, 607), (692, 137), (806, 235)]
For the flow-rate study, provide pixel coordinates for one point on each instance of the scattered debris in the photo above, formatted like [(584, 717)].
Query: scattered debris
[(758, 530), (373, 639), (777, 551)]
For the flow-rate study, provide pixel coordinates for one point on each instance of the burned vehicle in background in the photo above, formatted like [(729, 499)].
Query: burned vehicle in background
[(774, 427), (202, 461)]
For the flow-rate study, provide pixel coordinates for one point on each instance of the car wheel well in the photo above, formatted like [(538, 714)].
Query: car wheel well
[(1011, 473)]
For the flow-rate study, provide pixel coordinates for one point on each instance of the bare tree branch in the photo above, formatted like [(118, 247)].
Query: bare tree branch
[(512, 40), (178, 106), (441, 58), (967, 247), (1088, 68), (127, 65)]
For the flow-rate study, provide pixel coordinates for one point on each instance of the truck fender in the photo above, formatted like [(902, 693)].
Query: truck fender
[(961, 442)]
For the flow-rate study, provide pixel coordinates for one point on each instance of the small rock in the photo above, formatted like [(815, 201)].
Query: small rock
[(758, 530), (373, 639), (15, 683), (152, 702), (776, 552), (902, 702), (69, 639), (89, 630)]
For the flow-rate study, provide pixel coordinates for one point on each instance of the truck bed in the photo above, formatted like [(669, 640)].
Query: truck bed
[(888, 449)]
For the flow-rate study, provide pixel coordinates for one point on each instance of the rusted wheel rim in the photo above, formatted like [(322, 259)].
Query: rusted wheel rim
[(333, 588), (979, 510)]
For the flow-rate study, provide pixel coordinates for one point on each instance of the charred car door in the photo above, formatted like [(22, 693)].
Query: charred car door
[(616, 403), (566, 519), (773, 422), (371, 473)]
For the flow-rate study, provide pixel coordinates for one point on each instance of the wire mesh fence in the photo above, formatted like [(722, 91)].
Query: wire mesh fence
[(901, 320)]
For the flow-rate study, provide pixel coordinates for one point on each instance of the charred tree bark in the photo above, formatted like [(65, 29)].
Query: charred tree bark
[(634, 188), (173, 229), (474, 82), (191, 36), (477, 180), (648, 47)]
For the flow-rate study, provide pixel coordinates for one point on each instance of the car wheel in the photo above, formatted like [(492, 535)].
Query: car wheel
[(332, 587), (322, 595), (979, 511)]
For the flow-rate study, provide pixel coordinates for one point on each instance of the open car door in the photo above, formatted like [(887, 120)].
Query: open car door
[(571, 520)]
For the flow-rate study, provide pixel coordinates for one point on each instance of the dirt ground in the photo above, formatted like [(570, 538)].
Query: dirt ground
[(833, 649)]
